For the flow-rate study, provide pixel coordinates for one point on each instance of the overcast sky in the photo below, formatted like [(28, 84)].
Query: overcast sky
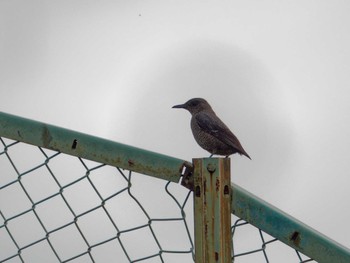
[(277, 73)]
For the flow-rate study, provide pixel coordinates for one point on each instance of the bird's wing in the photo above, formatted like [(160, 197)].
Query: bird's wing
[(212, 125)]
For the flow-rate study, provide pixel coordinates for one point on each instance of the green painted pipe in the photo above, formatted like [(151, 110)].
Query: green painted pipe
[(287, 229), (90, 147)]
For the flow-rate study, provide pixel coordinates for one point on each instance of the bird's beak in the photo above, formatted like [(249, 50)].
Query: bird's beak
[(180, 106)]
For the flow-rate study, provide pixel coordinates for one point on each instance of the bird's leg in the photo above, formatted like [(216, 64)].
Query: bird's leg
[(211, 155)]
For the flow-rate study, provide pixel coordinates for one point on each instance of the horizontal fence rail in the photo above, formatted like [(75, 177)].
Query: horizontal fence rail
[(91, 147), (247, 207), (286, 228)]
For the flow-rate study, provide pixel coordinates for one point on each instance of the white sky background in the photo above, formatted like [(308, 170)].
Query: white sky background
[(277, 72)]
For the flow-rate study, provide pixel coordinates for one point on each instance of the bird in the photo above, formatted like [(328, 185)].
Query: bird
[(209, 131)]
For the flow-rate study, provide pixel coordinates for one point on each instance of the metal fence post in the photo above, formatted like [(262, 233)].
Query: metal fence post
[(212, 210)]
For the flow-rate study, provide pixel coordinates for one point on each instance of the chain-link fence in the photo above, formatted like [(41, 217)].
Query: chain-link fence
[(59, 208), (253, 245), (77, 207)]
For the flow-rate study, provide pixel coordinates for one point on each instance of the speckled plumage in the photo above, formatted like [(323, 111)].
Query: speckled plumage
[(209, 131)]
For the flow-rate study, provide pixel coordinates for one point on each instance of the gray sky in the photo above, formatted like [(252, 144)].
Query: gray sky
[(277, 72)]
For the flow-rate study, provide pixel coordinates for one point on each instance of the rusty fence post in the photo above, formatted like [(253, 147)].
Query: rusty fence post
[(212, 210)]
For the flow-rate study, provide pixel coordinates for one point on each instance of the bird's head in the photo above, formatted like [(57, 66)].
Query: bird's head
[(194, 105)]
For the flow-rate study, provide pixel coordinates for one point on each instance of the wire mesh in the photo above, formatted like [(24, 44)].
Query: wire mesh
[(60, 208), (251, 244)]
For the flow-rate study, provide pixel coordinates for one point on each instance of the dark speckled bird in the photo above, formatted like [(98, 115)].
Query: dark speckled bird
[(209, 131)]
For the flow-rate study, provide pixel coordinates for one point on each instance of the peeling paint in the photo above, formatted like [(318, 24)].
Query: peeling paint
[(46, 137)]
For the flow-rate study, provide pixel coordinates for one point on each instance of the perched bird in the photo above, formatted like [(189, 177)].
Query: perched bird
[(209, 131)]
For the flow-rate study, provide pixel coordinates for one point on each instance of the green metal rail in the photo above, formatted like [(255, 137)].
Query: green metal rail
[(286, 228), (91, 147), (244, 204)]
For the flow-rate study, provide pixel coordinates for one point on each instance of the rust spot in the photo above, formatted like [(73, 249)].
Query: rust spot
[(131, 162), (217, 185), (46, 137), (74, 144), (295, 238), (198, 191)]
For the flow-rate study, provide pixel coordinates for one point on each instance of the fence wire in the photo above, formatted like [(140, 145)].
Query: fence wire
[(66, 209), (60, 208), (251, 244)]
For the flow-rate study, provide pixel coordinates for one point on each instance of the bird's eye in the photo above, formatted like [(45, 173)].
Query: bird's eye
[(194, 103)]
